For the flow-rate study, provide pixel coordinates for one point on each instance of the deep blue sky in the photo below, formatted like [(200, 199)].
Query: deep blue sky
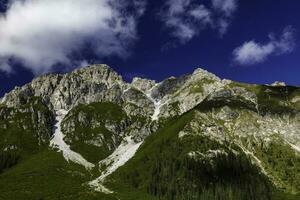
[(254, 19)]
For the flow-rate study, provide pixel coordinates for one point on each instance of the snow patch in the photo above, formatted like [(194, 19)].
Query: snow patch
[(58, 142), (157, 105), (118, 158)]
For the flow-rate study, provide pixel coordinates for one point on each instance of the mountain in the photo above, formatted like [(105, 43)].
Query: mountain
[(91, 135)]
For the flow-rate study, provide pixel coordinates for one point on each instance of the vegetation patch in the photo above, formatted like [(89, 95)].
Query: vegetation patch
[(163, 169)]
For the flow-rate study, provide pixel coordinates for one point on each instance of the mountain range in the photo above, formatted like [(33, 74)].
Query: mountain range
[(90, 135)]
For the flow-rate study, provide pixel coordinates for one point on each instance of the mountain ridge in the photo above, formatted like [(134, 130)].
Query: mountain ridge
[(54, 84)]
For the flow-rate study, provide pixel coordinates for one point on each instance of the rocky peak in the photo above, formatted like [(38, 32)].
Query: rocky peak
[(168, 86), (278, 83), (200, 73), (100, 83), (142, 84), (65, 91), (99, 73), (45, 85)]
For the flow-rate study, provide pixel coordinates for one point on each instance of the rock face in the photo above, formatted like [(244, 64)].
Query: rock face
[(197, 123), (99, 83), (95, 83), (142, 97)]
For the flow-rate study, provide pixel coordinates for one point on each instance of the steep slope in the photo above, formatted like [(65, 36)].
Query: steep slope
[(192, 137), (172, 166), (58, 142), (236, 144), (23, 130)]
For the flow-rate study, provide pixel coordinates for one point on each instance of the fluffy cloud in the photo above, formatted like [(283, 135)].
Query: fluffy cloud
[(228, 7), (251, 52), (186, 18), (225, 10), (44, 33)]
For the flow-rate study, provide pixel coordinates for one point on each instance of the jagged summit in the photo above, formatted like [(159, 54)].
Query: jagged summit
[(100, 82), (143, 84)]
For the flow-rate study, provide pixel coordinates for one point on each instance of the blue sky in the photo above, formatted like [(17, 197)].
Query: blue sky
[(253, 41)]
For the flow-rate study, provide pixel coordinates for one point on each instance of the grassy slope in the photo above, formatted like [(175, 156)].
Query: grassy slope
[(31, 171), (162, 147), (43, 173), (278, 158), (85, 131), (32, 178), (282, 162), (161, 168), (273, 98), (46, 175), (18, 136)]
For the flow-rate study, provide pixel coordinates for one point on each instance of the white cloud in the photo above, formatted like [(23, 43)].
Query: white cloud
[(225, 10), (228, 7), (186, 18), (43, 33), (251, 52)]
